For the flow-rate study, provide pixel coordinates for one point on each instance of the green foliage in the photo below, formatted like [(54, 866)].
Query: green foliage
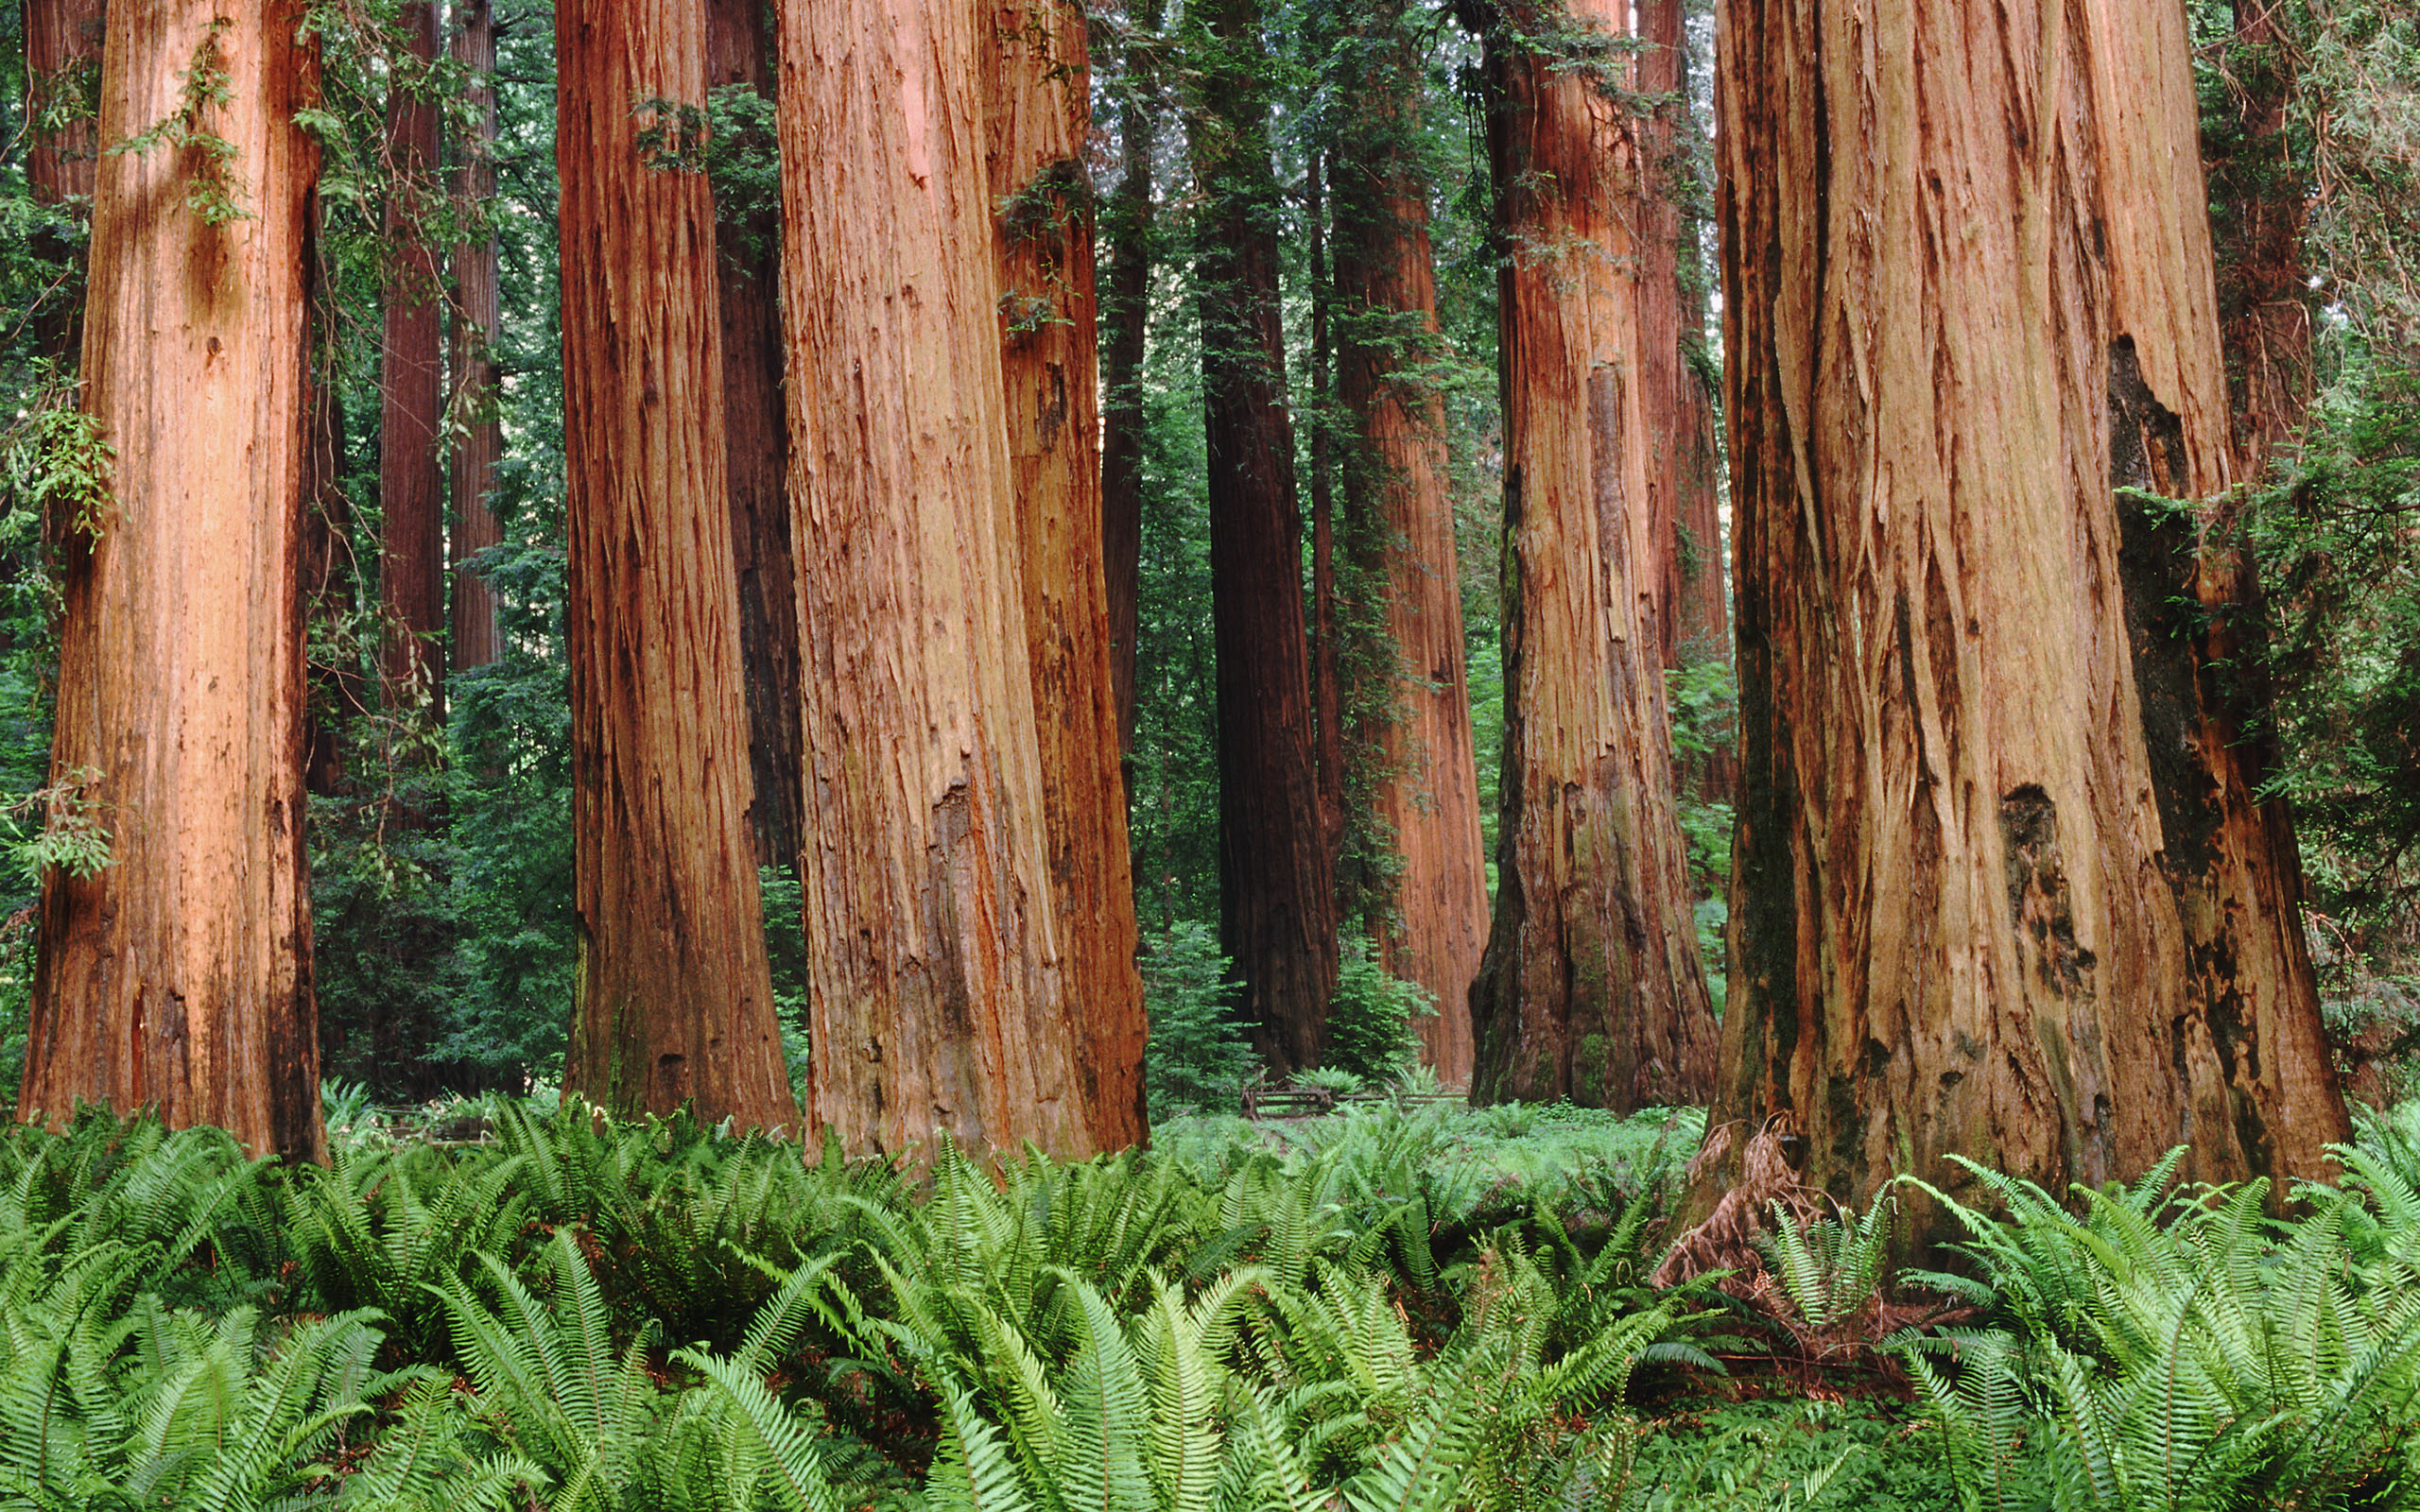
[(1371, 1030), (55, 469), (1198, 1056), (1828, 1267), (213, 192), (2184, 1351)]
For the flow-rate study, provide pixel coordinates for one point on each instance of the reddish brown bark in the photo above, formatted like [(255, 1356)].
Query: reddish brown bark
[(739, 53), (1399, 512), (1038, 116), (938, 998), (1692, 604), (178, 976), (675, 996), (478, 439), (1979, 911), (1125, 310), (1591, 986), (411, 535), (1275, 875)]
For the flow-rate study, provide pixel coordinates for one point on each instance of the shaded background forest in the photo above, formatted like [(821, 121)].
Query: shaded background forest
[(440, 836)]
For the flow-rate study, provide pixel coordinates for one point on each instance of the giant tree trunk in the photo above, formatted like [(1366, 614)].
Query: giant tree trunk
[(63, 61), (1125, 309), (411, 544), (938, 997), (1956, 930), (1037, 114), (740, 53), (1591, 987), (179, 976), (479, 446), (675, 998), (1276, 909), (1400, 514)]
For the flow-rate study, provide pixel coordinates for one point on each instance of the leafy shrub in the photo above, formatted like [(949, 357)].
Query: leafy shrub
[(1370, 1030), (1198, 1057)]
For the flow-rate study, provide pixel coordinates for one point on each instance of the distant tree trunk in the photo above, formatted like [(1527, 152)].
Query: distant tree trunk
[(937, 995), (2262, 203), (1692, 621), (1591, 987), (1274, 870), (62, 57), (1038, 115), (1327, 681), (179, 976), (739, 52), (477, 640), (411, 567), (675, 999), (1399, 510), (327, 574), (1125, 309), (1956, 928)]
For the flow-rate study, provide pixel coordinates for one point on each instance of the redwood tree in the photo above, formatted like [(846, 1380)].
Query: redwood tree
[(1275, 871), (739, 56), (478, 443), (1038, 113), (675, 997), (1969, 920), (1401, 517), (411, 535), (1591, 987), (937, 1002), (1130, 225), (177, 976)]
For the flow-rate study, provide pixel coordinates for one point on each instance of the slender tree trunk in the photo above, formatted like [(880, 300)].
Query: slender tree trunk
[(328, 574), (1591, 987), (1328, 681), (675, 999), (411, 567), (479, 446), (740, 52), (1277, 892), (1396, 506), (1956, 930), (1126, 309), (938, 994), (62, 59), (2261, 203), (1038, 115), (1693, 605), (179, 976)]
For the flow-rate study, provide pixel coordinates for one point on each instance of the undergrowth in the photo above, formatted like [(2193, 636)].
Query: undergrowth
[(540, 1308)]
